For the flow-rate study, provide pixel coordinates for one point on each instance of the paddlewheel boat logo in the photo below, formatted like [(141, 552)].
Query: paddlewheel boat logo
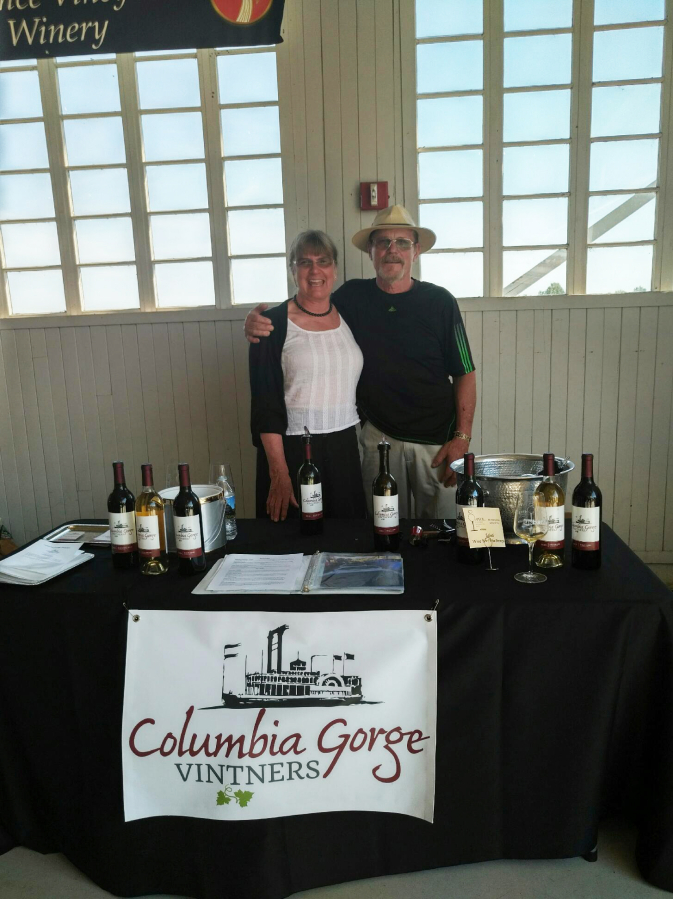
[(242, 12), (297, 686), (580, 520)]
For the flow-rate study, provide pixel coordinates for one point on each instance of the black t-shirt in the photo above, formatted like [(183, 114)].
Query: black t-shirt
[(411, 343)]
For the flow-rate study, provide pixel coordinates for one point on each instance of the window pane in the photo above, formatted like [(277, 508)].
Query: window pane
[(461, 273), (171, 82), (531, 222), (455, 224), (247, 78), (534, 273), (628, 53), (28, 246), (23, 147), (15, 63), (256, 231), (536, 170), (109, 287), (253, 181), (181, 236), (175, 135), (94, 141), (628, 109), (20, 96), (105, 240), (621, 218), (529, 15), (92, 57), (436, 18), (177, 187), (619, 269), (246, 131), (35, 293), (257, 280), (623, 163), (450, 121), (452, 173), (26, 197), (185, 284), (537, 60), (457, 66), (96, 191), (89, 89), (610, 12), (537, 115)]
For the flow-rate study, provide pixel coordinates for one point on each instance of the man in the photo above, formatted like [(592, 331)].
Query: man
[(412, 338)]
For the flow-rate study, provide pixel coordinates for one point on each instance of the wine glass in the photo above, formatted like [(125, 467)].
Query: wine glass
[(530, 523)]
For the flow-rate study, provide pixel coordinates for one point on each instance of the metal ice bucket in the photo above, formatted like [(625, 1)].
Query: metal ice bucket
[(508, 479)]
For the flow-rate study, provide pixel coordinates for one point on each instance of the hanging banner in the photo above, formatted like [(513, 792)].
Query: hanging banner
[(35, 29), (241, 715)]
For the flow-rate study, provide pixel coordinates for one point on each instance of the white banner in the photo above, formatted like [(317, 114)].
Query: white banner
[(240, 715)]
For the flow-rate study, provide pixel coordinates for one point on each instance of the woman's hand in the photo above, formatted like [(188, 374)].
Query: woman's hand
[(281, 495), (257, 325)]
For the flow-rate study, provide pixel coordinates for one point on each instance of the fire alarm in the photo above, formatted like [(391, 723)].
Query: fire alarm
[(373, 194)]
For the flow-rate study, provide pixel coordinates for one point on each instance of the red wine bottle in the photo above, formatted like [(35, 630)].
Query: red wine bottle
[(309, 490), (188, 525), (587, 515), (468, 496), (121, 506), (386, 505)]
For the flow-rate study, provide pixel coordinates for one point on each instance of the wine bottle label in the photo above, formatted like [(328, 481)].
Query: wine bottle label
[(123, 532), (187, 536), (311, 501), (386, 515), (586, 528), (554, 539), (461, 526), (149, 541)]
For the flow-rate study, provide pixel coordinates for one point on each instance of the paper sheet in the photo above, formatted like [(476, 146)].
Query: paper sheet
[(248, 573)]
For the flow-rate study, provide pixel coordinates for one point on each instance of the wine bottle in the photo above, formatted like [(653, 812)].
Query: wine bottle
[(189, 540), (549, 549), (309, 488), (121, 505), (587, 512), (150, 527), (386, 504), (468, 496)]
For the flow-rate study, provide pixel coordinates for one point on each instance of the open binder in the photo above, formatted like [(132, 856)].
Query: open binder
[(323, 572)]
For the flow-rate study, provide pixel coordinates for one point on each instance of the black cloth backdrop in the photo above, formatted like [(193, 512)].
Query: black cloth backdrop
[(38, 29), (553, 709)]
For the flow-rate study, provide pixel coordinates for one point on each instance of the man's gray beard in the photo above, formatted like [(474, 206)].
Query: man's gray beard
[(393, 276)]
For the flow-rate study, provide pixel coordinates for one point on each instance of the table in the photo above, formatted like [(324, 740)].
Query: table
[(554, 710)]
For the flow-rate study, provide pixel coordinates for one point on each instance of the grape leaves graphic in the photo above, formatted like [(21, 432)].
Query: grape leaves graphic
[(243, 797), (222, 798), (225, 796)]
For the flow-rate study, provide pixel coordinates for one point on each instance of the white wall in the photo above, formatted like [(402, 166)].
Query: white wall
[(561, 373)]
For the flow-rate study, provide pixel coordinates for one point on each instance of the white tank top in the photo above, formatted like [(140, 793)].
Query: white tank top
[(321, 370)]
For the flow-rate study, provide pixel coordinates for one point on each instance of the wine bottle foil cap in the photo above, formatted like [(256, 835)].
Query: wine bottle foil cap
[(384, 442)]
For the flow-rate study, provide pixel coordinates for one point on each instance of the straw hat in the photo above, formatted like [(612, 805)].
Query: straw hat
[(394, 217)]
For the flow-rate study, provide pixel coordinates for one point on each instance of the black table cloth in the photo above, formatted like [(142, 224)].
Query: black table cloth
[(554, 708)]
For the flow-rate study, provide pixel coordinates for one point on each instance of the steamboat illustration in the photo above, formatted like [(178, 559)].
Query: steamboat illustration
[(296, 686), (580, 520)]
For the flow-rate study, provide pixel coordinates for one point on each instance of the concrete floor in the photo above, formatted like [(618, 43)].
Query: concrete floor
[(29, 875)]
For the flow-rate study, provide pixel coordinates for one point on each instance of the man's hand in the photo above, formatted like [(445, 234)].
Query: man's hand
[(451, 451), (281, 496), (257, 325)]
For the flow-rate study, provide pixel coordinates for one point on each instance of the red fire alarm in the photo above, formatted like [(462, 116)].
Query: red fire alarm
[(373, 194)]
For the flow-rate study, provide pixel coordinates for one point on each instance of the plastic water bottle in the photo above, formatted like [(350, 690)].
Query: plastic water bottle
[(230, 510)]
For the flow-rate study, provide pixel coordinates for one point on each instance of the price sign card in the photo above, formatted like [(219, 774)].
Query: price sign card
[(484, 527)]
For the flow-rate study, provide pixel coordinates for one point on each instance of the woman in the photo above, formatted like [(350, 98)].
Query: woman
[(305, 374)]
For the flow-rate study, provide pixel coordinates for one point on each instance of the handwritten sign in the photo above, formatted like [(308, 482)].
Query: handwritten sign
[(484, 527)]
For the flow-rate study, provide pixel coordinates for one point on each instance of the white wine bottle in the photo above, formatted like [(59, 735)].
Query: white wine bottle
[(550, 548), (150, 527), (386, 504), (309, 488)]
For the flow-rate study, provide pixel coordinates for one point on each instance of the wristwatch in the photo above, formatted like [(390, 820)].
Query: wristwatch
[(461, 436)]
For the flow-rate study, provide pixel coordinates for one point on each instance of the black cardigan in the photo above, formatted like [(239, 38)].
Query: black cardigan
[(268, 414)]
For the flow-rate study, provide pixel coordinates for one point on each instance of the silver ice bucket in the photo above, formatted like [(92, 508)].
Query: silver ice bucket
[(508, 479)]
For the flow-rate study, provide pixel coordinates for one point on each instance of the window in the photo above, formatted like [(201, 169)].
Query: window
[(538, 140), (147, 181)]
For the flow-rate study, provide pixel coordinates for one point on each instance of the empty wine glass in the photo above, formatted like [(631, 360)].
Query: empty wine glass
[(530, 523)]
